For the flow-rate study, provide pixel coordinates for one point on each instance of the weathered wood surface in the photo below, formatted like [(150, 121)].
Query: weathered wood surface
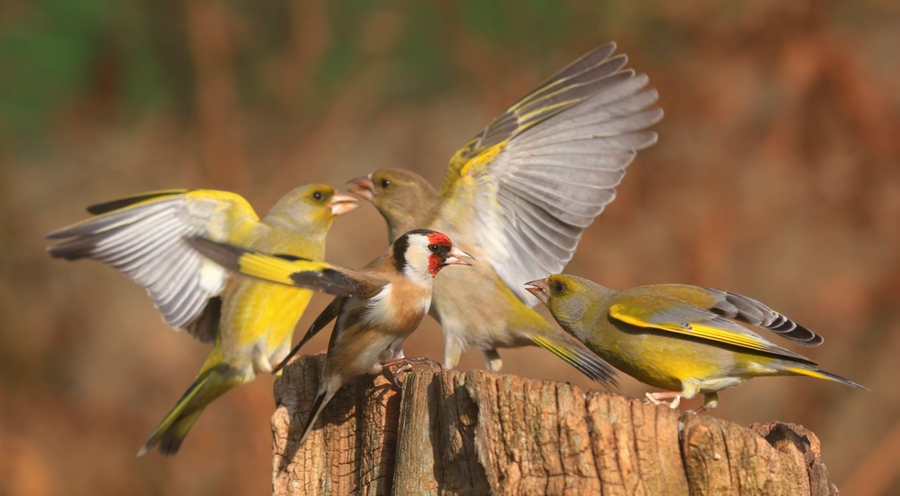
[(481, 433)]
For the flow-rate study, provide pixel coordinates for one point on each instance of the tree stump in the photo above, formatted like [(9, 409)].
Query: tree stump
[(480, 433)]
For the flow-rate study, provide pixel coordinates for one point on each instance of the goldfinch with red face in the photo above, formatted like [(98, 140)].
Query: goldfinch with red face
[(250, 322), (684, 339), (518, 196), (377, 306)]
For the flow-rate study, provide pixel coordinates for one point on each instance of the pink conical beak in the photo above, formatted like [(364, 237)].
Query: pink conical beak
[(340, 204), (457, 256), (538, 289), (362, 187)]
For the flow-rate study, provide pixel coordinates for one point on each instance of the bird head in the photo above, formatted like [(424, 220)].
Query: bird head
[(401, 196), (569, 298), (313, 205), (423, 252)]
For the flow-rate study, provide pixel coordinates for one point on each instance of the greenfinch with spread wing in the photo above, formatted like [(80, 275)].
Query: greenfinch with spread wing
[(249, 321), (685, 339), (518, 197)]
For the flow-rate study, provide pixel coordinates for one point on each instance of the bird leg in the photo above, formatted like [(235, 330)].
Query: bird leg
[(493, 359), (710, 400), (660, 397), (405, 364)]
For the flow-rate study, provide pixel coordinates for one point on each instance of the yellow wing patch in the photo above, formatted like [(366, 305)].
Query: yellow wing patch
[(275, 269), (482, 160), (694, 329), (464, 163)]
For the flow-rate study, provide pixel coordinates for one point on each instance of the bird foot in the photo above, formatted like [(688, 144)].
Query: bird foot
[(661, 397), (405, 365)]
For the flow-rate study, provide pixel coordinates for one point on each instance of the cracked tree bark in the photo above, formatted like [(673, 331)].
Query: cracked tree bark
[(481, 433)]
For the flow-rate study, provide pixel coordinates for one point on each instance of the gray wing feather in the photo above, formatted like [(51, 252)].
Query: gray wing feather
[(146, 243), (756, 313), (554, 178), (684, 315)]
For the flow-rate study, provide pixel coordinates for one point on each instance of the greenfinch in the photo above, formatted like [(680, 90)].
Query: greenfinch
[(518, 196), (685, 339), (377, 306), (250, 322)]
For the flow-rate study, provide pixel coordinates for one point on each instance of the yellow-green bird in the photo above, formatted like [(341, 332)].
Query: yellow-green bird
[(684, 339), (518, 197), (249, 321)]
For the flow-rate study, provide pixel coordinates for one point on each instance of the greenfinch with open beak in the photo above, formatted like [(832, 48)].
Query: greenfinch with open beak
[(685, 339), (518, 197), (250, 322), (377, 306)]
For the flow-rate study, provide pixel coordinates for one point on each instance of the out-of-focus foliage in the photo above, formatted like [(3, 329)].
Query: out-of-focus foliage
[(777, 175)]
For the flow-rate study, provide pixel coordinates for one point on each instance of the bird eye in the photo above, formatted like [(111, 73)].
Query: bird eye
[(317, 195), (385, 183), (557, 287), (434, 248)]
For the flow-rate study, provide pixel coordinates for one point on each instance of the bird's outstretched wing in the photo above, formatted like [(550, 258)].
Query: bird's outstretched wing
[(695, 322), (142, 236), (526, 187), (288, 269)]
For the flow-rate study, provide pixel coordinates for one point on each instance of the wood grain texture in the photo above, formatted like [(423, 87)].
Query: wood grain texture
[(481, 433)]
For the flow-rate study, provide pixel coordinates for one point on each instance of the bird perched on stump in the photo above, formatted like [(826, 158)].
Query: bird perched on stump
[(685, 339), (250, 322), (518, 196), (376, 309)]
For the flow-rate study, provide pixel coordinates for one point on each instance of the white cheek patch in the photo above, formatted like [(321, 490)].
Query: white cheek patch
[(416, 269)]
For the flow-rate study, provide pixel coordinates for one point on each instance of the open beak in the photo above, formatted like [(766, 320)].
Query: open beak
[(362, 187), (340, 204), (458, 257), (539, 289)]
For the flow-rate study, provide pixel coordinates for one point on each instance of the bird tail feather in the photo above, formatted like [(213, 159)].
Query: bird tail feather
[(821, 374), (322, 399), (586, 362), (208, 386)]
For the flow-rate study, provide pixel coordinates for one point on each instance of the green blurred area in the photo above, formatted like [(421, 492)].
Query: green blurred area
[(777, 175)]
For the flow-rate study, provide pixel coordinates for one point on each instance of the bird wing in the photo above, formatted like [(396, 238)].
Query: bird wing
[(753, 312), (142, 236), (528, 185), (289, 269), (330, 313), (670, 316)]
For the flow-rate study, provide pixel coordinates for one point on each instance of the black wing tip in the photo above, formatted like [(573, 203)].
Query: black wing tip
[(224, 254), (105, 207), (327, 280)]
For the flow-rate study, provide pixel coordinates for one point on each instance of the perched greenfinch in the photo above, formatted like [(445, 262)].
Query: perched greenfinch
[(377, 306), (684, 339), (518, 197), (250, 322)]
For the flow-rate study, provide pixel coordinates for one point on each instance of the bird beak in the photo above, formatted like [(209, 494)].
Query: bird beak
[(457, 256), (362, 187), (340, 204), (538, 289)]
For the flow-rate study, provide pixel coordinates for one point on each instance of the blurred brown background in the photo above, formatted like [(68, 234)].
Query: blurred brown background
[(776, 175)]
